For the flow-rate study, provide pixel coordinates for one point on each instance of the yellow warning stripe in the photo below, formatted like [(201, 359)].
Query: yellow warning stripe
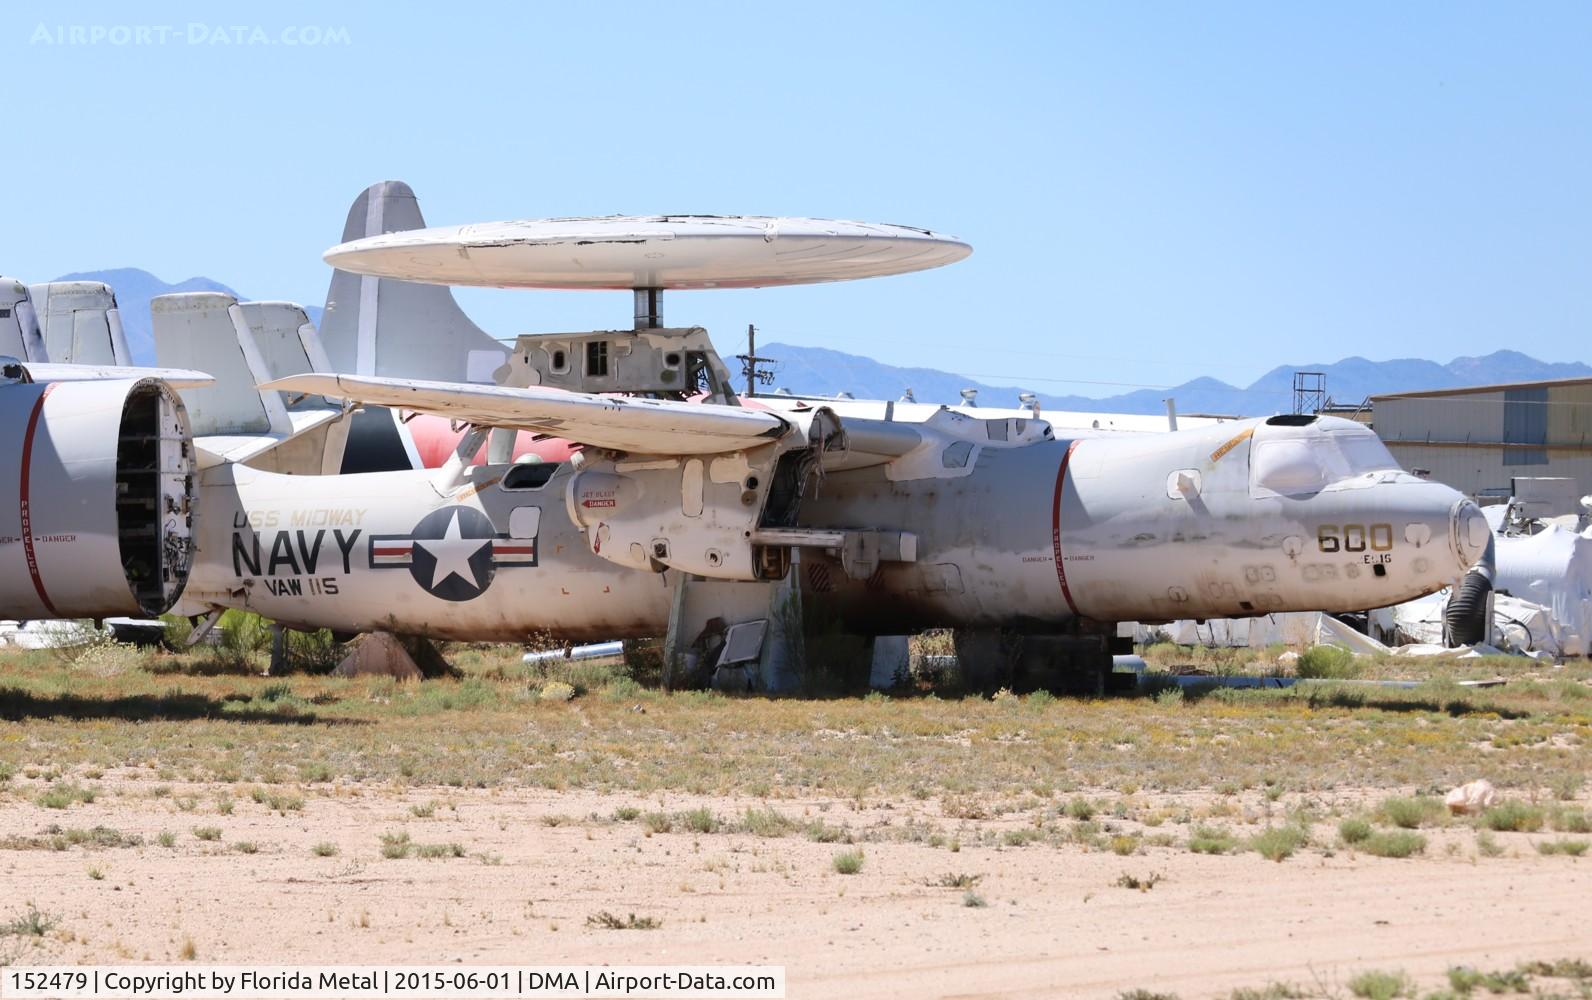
[(1216, 456)]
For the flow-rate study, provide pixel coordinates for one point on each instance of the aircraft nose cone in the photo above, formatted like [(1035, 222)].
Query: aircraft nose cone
[(1470, 532)]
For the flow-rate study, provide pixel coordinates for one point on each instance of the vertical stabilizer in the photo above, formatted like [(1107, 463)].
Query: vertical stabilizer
[(19, 324), (241, 346), (79, 323), (377, 326), (195, 330)]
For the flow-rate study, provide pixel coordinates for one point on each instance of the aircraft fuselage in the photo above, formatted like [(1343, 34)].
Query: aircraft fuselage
[(1237, 519)]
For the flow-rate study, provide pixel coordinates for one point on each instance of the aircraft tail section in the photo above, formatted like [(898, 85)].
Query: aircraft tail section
[(80, 323), (242, 345), (400, 329), (19, 323)]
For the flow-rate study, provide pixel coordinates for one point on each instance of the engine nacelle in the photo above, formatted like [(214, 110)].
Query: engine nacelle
[(97, 498)]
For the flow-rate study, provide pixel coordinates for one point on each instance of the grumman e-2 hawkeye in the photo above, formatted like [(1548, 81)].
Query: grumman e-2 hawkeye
[(730, 530)]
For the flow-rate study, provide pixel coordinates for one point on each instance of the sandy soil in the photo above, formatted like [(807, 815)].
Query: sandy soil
[(1055, 924)]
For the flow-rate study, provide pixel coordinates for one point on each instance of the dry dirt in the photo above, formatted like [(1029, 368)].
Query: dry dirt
[(1055, 923)]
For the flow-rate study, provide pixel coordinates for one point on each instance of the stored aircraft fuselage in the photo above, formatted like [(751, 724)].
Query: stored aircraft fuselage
[(1232, 520)]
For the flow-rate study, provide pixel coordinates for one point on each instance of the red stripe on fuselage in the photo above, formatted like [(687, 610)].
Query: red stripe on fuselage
[(27, 514), (1055, 527)]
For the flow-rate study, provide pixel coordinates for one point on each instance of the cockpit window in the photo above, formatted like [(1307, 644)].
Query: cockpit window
[(1291, 466), (529, 475), (1364, 452)]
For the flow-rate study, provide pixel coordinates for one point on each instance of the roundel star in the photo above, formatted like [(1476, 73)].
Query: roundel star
[(453, 553)]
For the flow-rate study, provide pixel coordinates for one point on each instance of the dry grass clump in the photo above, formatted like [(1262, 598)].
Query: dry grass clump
[(630, 922)]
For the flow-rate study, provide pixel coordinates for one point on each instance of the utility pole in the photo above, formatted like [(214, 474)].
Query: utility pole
[(751, 357), (752, 365)]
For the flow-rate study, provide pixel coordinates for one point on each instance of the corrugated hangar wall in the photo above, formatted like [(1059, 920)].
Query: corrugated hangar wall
[(1479, 440)]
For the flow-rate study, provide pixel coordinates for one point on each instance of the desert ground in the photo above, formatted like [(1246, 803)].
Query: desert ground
[(1243, 844)]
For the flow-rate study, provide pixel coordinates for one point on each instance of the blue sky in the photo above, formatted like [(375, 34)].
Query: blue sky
[(1154, 191)]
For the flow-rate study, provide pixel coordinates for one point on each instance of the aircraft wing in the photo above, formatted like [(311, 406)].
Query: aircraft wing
[(178, 378), (622, 423)]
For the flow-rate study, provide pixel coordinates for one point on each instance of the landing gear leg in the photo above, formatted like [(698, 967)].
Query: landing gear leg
[(700, 619), (278, 665)]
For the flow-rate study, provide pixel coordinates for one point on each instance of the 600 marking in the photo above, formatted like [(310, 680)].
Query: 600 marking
[(1354, 537)]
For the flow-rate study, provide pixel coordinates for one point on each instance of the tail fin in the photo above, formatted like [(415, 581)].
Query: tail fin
[(378, 326), (19, 323), (80, 323), (242, 346)]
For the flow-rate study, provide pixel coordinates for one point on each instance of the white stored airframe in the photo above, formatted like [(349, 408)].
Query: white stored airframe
[(726, 526)]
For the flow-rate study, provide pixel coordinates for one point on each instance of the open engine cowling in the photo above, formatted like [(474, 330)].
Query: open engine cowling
[(97, 498)]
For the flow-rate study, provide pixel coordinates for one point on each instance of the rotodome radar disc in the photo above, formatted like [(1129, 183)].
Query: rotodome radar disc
[(657, 251)]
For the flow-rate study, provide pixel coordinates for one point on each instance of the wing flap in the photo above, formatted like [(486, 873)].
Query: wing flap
[(622, 423)]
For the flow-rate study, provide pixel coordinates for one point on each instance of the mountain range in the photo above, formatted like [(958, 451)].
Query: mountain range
[(821, 371)]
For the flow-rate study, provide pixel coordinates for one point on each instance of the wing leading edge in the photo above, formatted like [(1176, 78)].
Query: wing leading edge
[(622, 423)]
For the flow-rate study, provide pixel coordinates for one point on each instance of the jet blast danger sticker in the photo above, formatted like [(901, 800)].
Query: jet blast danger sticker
[(453, 553)]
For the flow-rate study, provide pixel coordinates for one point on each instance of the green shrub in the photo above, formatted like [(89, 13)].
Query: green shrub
[(557, 691), (1513, 817), (848, 862), (1211, 840), (1410, 813), (449, 850), (1374, 984), (1354, 831), (396, 845), (1571, 821), (1327, 663), (766, 823), (63, 794), (1271, 991), (1394, 844), (1562, 968), (700, 820), (32, 923), (657, 822), (1279, 842)]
